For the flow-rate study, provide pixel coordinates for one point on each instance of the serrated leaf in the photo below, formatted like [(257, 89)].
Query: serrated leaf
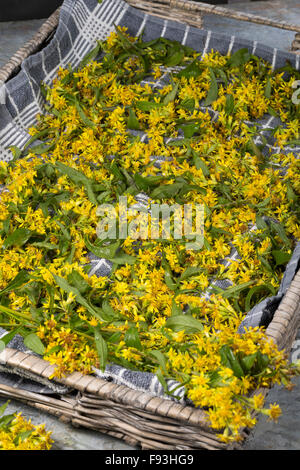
[(190, 271), (175, 58)]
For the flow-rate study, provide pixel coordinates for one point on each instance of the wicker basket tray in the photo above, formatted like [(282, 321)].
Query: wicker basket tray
[(137, 417)]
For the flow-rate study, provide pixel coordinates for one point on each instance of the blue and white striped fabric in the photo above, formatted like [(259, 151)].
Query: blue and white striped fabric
[(81, 23)]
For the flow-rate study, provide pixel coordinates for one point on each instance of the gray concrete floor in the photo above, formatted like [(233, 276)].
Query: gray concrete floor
[(266, 436)]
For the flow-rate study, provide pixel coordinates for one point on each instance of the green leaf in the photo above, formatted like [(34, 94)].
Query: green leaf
[(162, 361), (19, 280), (123, 258), (66, 287), (78, 178), (231, 291), (6, 420), (188, 104), (22, 436), (91, 55), (86, 121), (166, 190), (3, 408), (41, 148), (190, 129), (261, 224), (176, 309), (279, 229), (184, 322), (193, 70), (171, 95), (8, 337), (101, 347), (162, 380), (175, 58), (190, 271), (247, 362), (169, 280), (229, 359), (255, 290), (132, 339), (33, 342), (265, 263), (291, 195), (262, 361), (212, 94), (108, 310), (132, 122), (17, 238), (281, 257), (229, 105), (200, 164), (268, 88), (146, 183), (107, 251), (148, 105), (239, 58), (78, 281)]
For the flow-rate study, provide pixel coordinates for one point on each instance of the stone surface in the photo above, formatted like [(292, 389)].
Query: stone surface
[(279, 10), (267, 435), (13, 35)]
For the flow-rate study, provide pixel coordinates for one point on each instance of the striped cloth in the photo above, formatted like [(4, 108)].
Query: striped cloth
[(81, 23)]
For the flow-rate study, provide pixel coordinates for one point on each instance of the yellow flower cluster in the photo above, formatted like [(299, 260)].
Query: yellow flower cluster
[(17, 433), (153, 313)]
